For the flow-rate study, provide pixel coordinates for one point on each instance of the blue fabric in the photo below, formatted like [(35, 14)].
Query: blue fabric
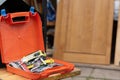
[(51, 15)]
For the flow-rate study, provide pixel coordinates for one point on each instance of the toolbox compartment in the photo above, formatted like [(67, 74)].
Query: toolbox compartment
[(67, 67), (22, 37)]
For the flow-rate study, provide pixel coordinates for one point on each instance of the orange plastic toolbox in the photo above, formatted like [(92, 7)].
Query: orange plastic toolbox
[(20, 38)]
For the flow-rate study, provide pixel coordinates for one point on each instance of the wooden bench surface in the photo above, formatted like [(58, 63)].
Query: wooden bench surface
[(4, 75)]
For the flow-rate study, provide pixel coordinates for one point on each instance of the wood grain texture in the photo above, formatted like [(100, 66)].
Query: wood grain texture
[(117, 49), (84, 27)]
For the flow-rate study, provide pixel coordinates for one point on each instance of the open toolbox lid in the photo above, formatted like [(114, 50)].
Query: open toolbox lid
[(20, 38)]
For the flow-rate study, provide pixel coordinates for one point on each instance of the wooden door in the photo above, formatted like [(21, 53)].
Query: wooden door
[(117, 48), (84, 31)]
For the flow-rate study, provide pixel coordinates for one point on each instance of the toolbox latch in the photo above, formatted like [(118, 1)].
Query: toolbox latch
[(3, 13), (32, 9)]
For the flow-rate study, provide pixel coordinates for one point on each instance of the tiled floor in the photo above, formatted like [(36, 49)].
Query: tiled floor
[(97, 73)]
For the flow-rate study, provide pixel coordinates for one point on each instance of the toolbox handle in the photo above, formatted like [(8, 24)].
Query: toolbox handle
[(25, 15)]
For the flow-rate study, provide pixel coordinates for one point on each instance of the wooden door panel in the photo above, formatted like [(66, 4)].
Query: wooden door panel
[(84, 30), (86, 58), (117, 48), (86, 27)]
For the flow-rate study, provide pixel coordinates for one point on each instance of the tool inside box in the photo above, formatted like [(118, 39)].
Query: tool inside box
[(35, 62)]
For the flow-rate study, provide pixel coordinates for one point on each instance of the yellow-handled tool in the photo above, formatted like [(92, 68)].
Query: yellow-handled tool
[(48, 61), (33, 56)]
